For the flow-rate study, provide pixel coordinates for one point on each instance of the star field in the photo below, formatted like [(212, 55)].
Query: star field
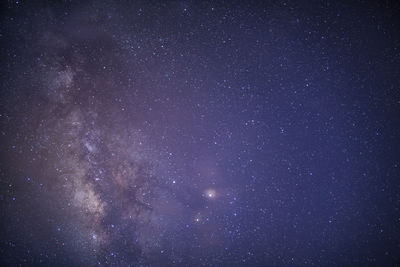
[(199, 133)]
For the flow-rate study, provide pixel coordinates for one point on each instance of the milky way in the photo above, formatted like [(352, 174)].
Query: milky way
[(180, 133)]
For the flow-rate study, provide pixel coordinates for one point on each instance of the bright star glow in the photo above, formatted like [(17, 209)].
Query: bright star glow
[(210, 193)]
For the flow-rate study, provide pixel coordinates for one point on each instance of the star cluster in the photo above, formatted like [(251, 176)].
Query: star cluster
[(192, 133)]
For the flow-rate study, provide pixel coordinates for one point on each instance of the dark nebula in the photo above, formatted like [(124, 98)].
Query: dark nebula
[(199, 133)]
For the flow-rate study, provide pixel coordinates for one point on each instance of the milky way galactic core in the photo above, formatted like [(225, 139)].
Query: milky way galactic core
[(199, 133)]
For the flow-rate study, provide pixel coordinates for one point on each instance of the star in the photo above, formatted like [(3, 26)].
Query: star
[(210, 193)]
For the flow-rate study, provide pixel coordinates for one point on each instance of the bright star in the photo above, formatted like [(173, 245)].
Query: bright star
[(210, 193)]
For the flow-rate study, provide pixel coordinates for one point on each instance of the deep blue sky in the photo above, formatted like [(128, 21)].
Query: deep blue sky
[(188, 133)]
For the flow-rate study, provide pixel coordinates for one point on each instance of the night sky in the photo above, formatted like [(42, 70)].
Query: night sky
[(193, 133)]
